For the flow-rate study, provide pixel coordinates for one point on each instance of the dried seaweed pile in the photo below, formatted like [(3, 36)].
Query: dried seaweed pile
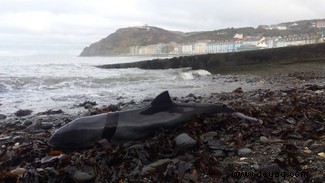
[(288, 138)]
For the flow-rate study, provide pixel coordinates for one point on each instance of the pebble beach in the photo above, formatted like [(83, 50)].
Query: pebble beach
[(286, 144)]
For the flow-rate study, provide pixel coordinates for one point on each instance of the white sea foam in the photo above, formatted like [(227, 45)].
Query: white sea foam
[(40, 82)]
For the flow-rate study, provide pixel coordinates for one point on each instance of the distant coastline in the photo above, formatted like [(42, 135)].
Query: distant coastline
[(150, 40), (239, 61)]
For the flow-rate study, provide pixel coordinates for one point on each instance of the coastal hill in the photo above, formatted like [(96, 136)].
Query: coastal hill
[(119, 42)]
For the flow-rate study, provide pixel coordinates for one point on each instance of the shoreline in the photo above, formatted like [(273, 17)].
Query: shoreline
[(289, 139), (230, 62)]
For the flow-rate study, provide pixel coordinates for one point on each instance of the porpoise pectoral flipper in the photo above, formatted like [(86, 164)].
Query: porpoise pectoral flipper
[(119, 127)]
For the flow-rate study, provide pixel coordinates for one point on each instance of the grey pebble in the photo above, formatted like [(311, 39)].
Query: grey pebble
[(2, 116), (80, 176), (208, 136), (244, 151), (308, 142), (184, 141), (219, 153)]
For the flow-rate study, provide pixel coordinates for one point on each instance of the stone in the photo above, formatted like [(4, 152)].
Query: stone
[(318, 147), (80, 176), (21, 112), (18, 171), (2, 116), (208, 136), (27, 123), (88, 106), (308, 142), (244, 151), (46, 125), (264, 139), (219, 153), (184, 141), (158, 166), (318, 178)]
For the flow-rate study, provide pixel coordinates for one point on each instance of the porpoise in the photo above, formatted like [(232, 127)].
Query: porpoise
[(124, 126)]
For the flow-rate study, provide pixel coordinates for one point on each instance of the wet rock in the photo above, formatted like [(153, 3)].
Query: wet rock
[(295, 136), (308, 142), (21, 112), (244, 151), (219, 153), (208, 136), (50, 159), (5, 139), (238, 90), (113, 108), (318, 178), (80, 176), (318, 147), (264, 139), (84, 104), (255, 166), (88, 106), (2, 116), (51, 112), (158, 166), (184, 141), (45, 125), (27, 123)]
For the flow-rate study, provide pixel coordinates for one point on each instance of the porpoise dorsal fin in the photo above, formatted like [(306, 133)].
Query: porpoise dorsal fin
[(162, 102), (162, 99)]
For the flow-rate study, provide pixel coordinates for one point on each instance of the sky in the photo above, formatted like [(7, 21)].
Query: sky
[(67, 26)]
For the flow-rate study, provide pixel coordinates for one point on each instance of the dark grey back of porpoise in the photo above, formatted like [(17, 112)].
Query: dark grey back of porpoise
[(120, 127)]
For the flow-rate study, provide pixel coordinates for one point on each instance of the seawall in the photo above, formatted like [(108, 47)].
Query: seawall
[(237, 61)]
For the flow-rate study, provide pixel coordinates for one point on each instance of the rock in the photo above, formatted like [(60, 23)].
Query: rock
[(321, 154), (308, 142), (295, 135), (219, 153), (45, 125), (2, 116), (18, 171), (318, 178), (84, 104), (21, 112), (50, 159), (158, 166), (184, 141), (80, 176), (244, 151), (307, 151), (5, 139), (88, 106), (255, 166), (318, 147), (264, 139), (238, 90), (208, 136), (27, 123)]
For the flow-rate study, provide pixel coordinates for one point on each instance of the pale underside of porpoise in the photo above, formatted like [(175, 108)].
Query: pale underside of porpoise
[(124, 126)]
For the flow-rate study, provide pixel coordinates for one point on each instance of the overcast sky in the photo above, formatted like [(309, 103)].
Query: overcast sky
[(67, 26)]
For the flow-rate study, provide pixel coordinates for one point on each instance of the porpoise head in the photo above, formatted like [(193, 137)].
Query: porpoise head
[(80, 133)]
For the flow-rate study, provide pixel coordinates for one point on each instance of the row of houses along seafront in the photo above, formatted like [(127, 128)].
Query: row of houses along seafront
[(239, 43)]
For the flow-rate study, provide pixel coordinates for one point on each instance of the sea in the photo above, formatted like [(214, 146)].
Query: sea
[(47, 82)]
